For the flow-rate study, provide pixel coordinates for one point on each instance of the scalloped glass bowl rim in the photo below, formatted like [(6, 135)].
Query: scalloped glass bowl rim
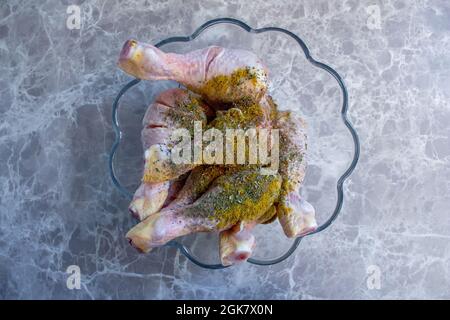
[(339, 186)]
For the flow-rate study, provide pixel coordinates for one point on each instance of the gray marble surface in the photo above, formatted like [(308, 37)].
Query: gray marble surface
[(59, 208)]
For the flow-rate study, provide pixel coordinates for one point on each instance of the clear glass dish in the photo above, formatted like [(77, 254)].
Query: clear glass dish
[(298, 83)]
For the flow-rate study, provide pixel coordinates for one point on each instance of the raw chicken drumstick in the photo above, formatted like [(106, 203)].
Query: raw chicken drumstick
[(242, 196), (173, 109), (219, 74), (237, 243), (160, 121), (189, 189), (151, 197), (296, 215)]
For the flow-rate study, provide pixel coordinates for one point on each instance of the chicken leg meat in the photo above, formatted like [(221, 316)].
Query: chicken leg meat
[(219, 74)]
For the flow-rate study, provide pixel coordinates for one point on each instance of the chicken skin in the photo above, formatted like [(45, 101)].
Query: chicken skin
[(220, 75), (173, 109)]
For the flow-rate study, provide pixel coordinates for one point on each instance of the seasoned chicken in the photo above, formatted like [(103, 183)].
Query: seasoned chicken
[(296, 215), (173, 109), (242, 196), (161, 120), (226, 89), (220, 75), (151, 197)]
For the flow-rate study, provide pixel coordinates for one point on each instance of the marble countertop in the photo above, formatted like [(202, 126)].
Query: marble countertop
[(60, 211)]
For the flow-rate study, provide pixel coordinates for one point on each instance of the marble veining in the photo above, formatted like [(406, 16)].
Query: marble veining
[(58, 206)]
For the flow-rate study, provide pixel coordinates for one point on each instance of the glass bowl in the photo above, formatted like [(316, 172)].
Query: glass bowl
[(299, 83)]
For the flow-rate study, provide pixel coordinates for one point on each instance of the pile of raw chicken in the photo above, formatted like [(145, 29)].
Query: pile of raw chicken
[(226, 88)]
